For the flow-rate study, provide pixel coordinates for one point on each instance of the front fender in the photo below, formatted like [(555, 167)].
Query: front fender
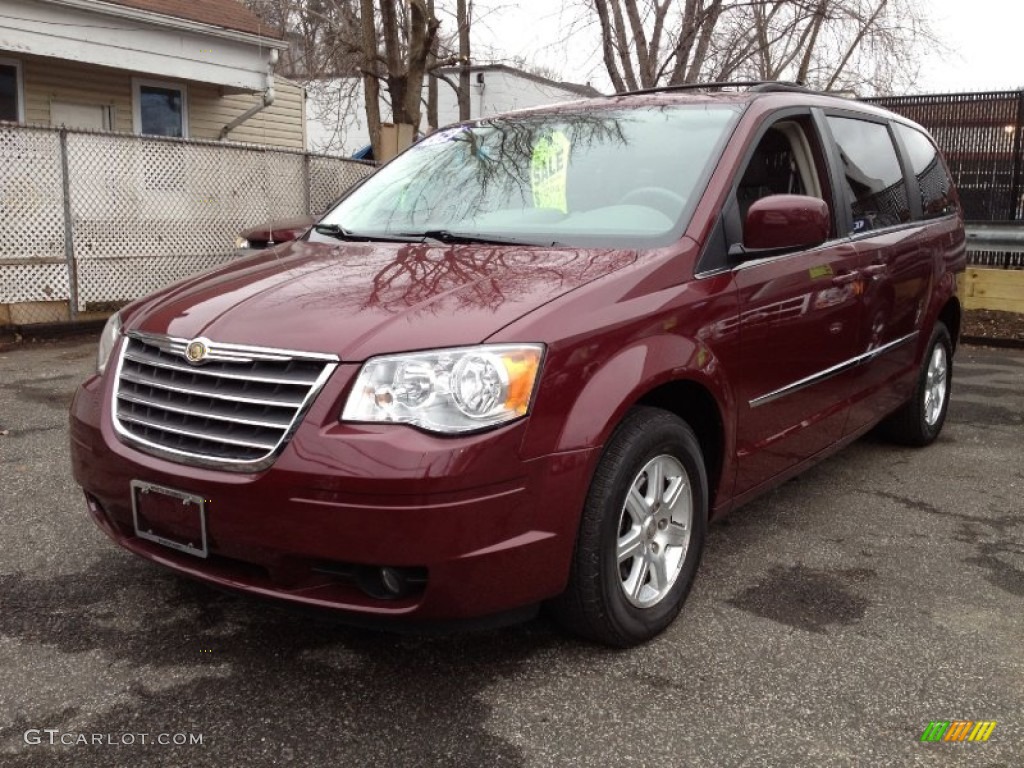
[(569, 417)]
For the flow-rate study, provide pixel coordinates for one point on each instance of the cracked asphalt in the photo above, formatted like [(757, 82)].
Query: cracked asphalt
[(831, 621)]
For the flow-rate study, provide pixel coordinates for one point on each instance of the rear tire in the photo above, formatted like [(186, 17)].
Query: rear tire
[(919, 421), (641, 535)]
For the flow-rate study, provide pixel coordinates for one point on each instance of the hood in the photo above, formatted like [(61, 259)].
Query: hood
[(357, 300)]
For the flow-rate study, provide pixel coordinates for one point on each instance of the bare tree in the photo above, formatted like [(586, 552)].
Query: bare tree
[(832, 44), (462, 17), (386, 43)]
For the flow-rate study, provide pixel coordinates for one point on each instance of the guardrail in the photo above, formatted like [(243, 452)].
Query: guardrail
[(996, 244)]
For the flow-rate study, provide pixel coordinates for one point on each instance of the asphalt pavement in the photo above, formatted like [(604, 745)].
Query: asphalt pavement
[(831, 621)]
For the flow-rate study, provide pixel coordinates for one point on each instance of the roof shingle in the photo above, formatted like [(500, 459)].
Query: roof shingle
[(228, 14)]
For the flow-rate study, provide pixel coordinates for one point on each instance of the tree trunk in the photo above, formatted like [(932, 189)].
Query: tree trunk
[(464, 61), (371, 84), (805, 64), (407, 88), (432, 116)]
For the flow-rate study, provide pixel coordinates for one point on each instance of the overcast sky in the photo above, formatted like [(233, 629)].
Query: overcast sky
[(984, 36)]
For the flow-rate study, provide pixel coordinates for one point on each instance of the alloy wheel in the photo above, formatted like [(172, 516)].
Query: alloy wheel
[(654, 531)]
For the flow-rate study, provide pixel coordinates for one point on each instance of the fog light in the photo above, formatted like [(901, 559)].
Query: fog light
[(392, 580)]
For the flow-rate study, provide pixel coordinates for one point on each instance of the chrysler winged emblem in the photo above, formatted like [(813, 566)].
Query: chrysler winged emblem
[(196, 351)]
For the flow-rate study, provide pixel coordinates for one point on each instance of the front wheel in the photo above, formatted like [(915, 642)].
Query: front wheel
[(641, 534), (919, 421)]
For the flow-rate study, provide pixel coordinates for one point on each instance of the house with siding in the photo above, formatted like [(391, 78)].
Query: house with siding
[(180, 68), (137, 139)]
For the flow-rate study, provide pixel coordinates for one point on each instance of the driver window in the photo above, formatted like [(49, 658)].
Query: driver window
[(785, 162)]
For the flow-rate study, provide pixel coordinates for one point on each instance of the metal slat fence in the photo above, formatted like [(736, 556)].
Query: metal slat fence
[(980, 135), (89, 221)]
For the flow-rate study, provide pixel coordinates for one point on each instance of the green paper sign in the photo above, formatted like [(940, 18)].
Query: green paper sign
[(549, 169)]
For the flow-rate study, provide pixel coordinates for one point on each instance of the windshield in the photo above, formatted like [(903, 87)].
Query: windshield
[(616, 178)]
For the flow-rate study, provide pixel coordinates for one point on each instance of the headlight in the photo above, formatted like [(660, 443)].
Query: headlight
[(108, 339), (447, 390), (241, 242)]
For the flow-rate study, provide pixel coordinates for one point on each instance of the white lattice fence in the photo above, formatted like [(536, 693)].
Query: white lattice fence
[(33, 266), (329, 177), (114, 280), (144, 211), (148, 197), (31, 208)]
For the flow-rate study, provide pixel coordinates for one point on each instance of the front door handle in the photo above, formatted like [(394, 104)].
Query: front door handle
[(875, 271)]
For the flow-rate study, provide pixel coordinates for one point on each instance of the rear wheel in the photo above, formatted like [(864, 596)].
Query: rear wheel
[(919, 421), (641, 534)]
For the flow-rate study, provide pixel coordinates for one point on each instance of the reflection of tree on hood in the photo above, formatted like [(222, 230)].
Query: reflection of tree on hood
[(486, 274)]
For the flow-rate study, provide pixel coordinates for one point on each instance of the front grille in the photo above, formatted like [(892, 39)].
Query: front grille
[(235, 410)]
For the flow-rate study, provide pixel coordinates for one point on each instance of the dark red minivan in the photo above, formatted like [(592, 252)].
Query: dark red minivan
[(528, 360)]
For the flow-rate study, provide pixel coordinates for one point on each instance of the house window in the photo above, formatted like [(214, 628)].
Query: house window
[(12, 100), (161, 109)]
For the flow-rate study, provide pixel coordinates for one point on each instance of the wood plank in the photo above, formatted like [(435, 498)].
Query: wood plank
[(999, 289), (1001, 276), (1004, 305)]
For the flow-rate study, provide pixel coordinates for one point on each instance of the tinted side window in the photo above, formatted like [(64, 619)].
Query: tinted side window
[(873, 177), (930, 172)]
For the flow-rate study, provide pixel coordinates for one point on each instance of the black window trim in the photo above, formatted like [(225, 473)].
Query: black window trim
[(916, 187), (913, 200)]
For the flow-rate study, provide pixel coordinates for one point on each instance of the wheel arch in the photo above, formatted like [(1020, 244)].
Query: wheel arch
[(951, 315), (674, 373), (693, 403)]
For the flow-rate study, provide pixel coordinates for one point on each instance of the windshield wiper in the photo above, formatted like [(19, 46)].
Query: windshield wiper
[(340, 233), (448, 236), (441, 235)]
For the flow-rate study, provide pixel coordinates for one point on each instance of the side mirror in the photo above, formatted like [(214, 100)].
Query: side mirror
[(780, 222)]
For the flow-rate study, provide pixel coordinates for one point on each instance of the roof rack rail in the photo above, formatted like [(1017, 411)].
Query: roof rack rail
[(761, 86)]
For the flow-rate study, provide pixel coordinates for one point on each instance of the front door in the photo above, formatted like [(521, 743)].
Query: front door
[(798, 329), (800, 314)]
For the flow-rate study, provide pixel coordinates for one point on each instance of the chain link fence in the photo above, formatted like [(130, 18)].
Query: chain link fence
[(91, 221)]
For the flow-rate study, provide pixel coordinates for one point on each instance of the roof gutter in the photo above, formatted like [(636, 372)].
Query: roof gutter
[(266, 101)]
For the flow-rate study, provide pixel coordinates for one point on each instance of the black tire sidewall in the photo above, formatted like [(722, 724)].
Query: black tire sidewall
[(931, 431), (668, 436)]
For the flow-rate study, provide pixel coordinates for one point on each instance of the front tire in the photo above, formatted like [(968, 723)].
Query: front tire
[(919, 421), (641, 534)]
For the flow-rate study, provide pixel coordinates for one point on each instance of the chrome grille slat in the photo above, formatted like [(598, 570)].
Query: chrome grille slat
[(250, 422), (137, 377), (164, 426), (170, 364), (236, 410)]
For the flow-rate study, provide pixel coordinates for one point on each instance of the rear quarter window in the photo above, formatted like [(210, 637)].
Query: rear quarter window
[(930, 174), (872, 175)]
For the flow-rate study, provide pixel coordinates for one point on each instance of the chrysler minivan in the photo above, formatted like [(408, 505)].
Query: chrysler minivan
[(526, 362)]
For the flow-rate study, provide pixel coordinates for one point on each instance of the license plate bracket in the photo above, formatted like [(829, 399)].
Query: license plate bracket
[(169, 517)]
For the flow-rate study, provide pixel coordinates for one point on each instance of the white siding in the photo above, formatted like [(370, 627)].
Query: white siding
[(143, 43), (334, 125), (209, 107), (279, 125), (500, 92)]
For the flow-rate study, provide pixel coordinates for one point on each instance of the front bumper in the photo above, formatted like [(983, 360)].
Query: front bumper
[(493, 532)]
